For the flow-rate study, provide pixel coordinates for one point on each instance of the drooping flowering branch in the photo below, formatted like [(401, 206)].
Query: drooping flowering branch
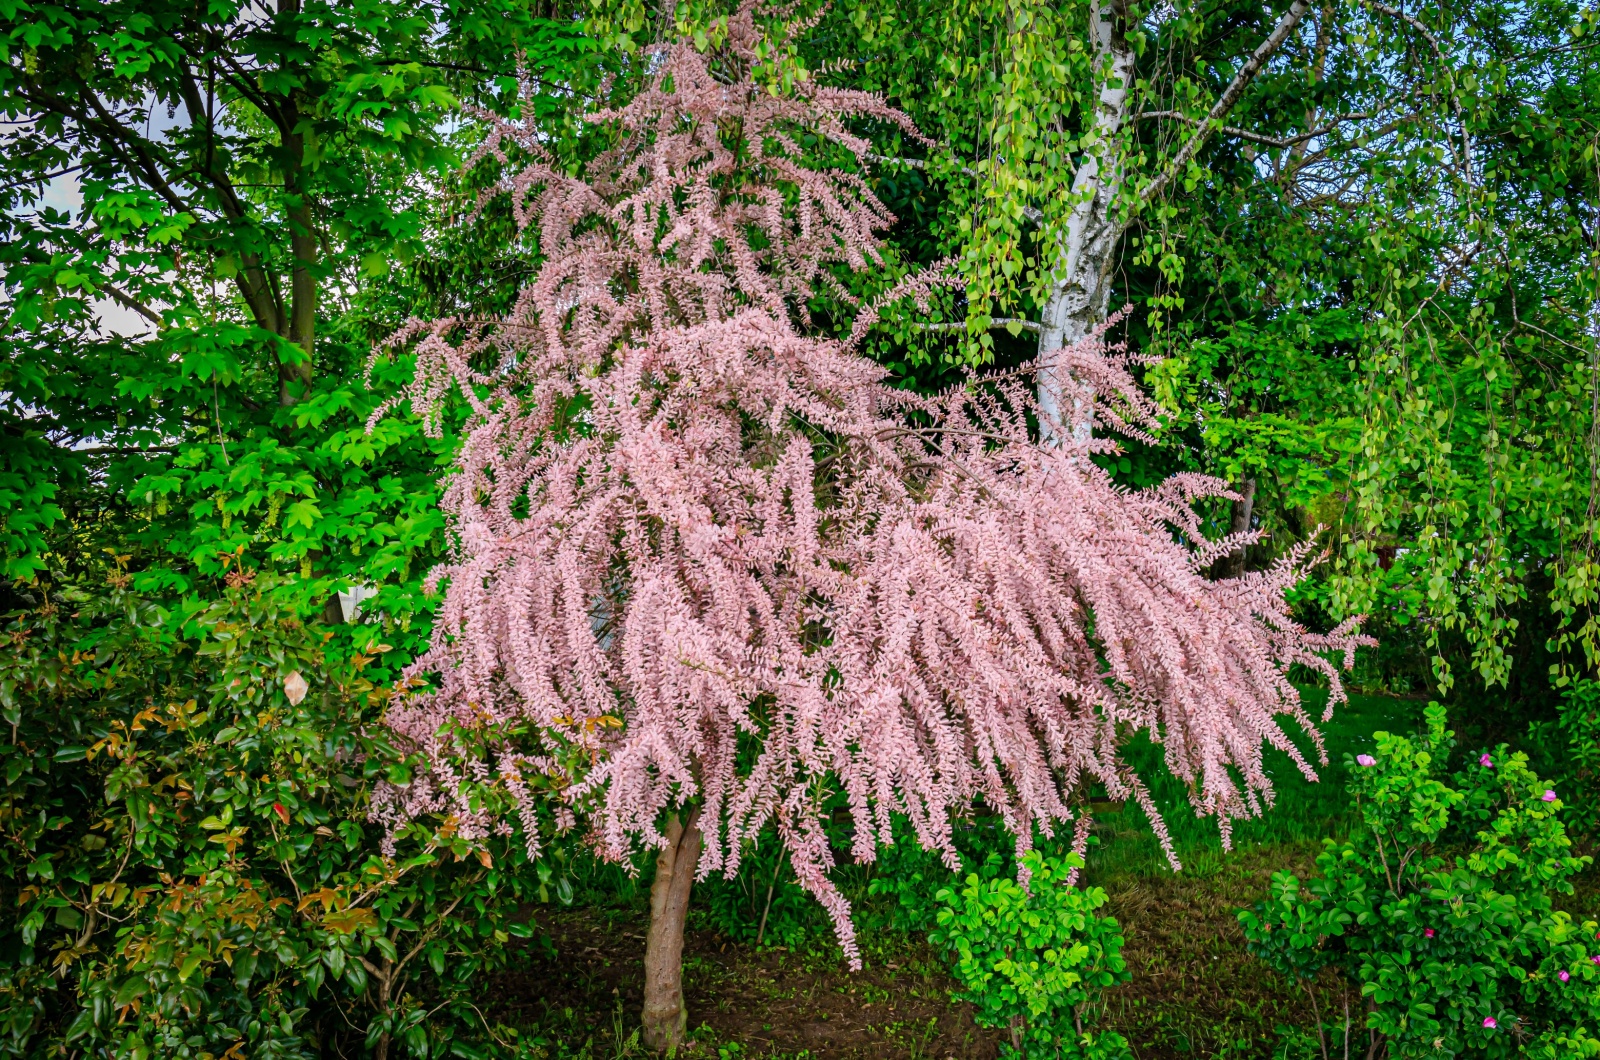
[(714, 558)]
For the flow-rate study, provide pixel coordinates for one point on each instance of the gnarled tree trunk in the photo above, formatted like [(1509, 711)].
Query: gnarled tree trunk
[(665, 1018)]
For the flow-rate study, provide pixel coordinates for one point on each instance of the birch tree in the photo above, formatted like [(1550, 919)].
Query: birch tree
[(1107, 191)]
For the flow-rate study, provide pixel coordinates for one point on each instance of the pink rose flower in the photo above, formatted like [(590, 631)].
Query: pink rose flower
[(1548, 796), (1486, 762), (1427, 933), (1366, 760), (1563, 976), (1489, 1023)]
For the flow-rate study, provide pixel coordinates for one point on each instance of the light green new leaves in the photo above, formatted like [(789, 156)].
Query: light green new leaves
[(1035, 959)]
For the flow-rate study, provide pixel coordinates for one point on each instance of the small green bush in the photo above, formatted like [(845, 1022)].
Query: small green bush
[(1578, 719), (188, 869), (1035, 960), (1439, 910)]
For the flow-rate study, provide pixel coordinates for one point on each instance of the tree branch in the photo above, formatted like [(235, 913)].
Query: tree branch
[(125, 450), (1258, 138), (1229, 97), (133, 148), (240, 80), (994, 322), (1438, 53), (252, 281), (38, 178), (131, 302), (1416, 24)]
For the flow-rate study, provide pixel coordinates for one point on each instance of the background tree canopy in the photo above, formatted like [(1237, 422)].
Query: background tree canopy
[(1358, 243)]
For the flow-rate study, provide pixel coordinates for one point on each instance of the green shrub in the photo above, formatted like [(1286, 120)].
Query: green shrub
[(763, 903), (1578, 719), (1439, 910), (1035, 961), (188, 869)]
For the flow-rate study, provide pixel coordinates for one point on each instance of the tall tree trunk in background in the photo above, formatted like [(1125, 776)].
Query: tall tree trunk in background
[(1243, 509), (1080, 292), (665, 1018), (294, 380)]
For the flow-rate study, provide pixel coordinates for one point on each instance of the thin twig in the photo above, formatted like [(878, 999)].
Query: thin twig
[(762, 930), (1259, 138)]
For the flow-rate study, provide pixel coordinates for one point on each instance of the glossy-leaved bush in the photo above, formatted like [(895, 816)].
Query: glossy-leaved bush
[(1440, 911), (1035, 960), (187, 868)]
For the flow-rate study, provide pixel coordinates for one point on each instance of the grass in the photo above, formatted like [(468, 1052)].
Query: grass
[(1195, 992)]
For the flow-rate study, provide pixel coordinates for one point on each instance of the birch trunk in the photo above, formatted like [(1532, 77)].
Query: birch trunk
[(1081, 290)]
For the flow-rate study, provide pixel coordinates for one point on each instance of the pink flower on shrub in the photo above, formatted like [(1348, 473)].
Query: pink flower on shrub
[(1489, 1023), (1563, 975), (1595, 959), (1486, 762), (1366, 760), (1548, 796), (1427, 933)]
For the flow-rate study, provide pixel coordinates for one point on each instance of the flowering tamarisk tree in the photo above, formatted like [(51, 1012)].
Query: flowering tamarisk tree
[(710, 568)]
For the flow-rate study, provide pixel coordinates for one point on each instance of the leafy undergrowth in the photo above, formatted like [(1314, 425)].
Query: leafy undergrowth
[(1195, 992)]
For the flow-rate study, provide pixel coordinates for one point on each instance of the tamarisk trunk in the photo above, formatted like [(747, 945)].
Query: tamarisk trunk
[(665, 1018)]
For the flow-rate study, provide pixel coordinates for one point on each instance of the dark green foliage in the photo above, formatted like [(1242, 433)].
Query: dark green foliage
[(1440, 910), (1578, 758), (762, 904), (189, 866), (260, 193)]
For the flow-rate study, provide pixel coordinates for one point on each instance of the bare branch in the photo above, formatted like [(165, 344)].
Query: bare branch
[(1230, 96), (995, 322), (1258, 138)]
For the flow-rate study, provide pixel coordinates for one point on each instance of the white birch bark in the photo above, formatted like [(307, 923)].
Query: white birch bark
[(1080, 290)]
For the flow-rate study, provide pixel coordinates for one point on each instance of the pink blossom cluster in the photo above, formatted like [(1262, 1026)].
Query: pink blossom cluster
[(705, 553)]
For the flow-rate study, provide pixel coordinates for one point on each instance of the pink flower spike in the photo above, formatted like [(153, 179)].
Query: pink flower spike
[(1563, 975), (1000, 613), (1366, 760), (1548, 796), (1427, 933), (1486, 762), (1488, 1022)]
